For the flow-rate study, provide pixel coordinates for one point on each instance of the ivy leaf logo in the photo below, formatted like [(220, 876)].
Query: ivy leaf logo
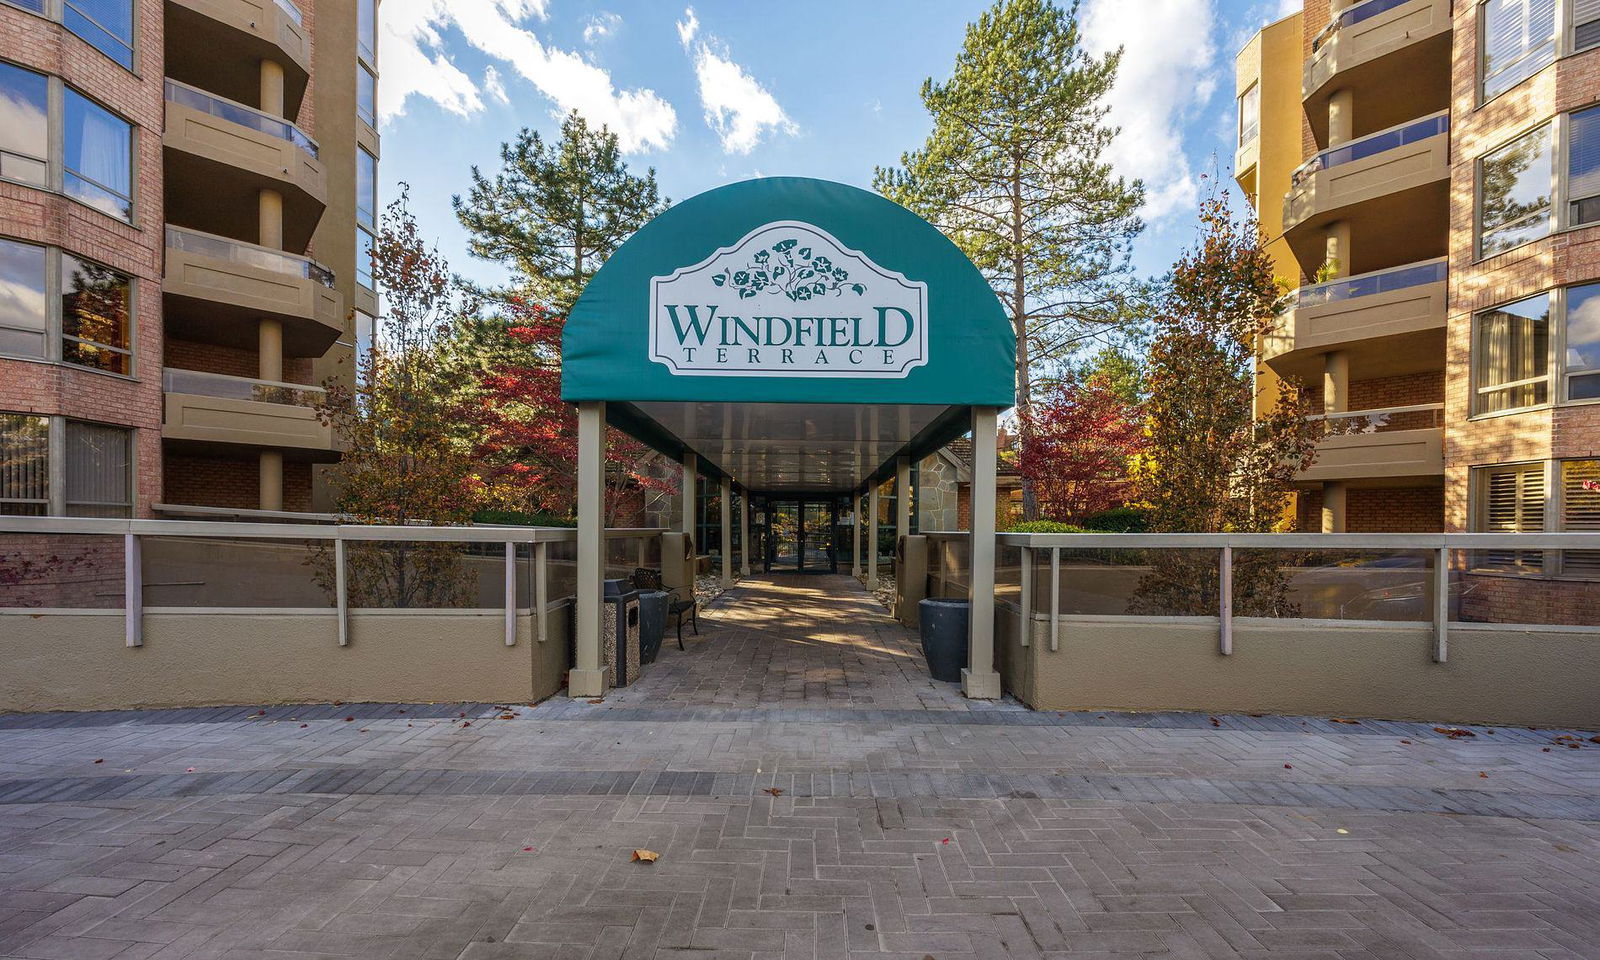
[(792, 270)]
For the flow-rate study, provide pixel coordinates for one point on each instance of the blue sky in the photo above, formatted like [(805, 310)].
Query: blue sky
[(723, 90)]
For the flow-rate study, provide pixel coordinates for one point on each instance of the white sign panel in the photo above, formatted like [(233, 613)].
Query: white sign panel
[(788, 301)]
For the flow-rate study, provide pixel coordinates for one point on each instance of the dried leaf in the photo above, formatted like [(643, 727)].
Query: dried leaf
[(304, 725), (1406, 742), (101, 760), (1483, 775), (598, 700), (774, 791), (645, 856), (527, 849), (1288, 766), (349, 719), (1215, 722), (1355, 723), (1454, 733), (508, 716), (466, 723)]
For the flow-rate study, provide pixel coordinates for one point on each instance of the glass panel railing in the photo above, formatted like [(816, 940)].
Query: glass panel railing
[(248, 254), (1417, 416), (1373, 144), (203, 384), (233, 112), (1368, 284), (291, 11), (1354, 15)]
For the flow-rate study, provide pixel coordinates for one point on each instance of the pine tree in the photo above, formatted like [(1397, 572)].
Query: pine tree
[(555, 212), (1012, 172)]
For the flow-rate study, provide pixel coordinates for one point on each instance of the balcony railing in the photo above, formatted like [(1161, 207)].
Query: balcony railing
[(248, 254), (233, 112), (1372, 144), (1370, 284), (1352, 16), (1416, 416), (204, 384)]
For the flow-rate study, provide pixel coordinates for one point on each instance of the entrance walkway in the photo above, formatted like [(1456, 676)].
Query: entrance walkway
[(794, 640)]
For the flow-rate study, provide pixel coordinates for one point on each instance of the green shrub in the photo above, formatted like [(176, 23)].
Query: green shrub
[(1118, 520), (522, 519), (1044, 526)]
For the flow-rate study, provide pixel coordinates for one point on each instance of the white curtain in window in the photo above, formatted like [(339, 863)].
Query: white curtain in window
[(98, 145)]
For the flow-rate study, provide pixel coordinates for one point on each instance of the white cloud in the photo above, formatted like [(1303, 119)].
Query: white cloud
[(494, 86), (1165, 76), (415, 63), (737, 106), (600, 26), (1286, 7)]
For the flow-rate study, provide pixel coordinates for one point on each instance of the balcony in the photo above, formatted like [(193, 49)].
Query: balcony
[(205, 411), (237, 151), (1389, 444), (1398, 176), (219, 44), (216, 288), (1393, 56), (1391, 322)]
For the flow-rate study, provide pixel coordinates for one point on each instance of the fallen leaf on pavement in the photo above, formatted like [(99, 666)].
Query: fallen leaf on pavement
[(645, 856), (774, 791), (598, 700)]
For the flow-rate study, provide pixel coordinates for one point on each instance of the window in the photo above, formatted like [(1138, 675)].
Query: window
[(96, 460), (1514, 187), (24, 303), (106, 24), (1583, 166), (25, 134), (1582, 344), (366, 188), (97, 157), (364, 258), (1511, 500), (1518, 40), (99, 470), (365, 328), (1585, 24), (367, 29), (367, 95), (1250, 114), (96, 305), (24, 465), (1579, 512), (1511, 362)]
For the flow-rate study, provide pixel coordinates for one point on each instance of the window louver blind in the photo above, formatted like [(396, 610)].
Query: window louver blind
[(1518, 40), (24, 465), (1585, 23), (98, 475), (1580, 513), (1583, 161), (1513, 502)]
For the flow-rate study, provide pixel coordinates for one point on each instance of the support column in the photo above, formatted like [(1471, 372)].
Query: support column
[(269, 366), (1336, 250), (271, 473), (872, 537), (902, 497), (588, 675), (744, 533), (691, 464), (726, 499), (979, 680), (1341, 116), (1333, 504), (855, 536), (272, 87), (1335, 382)]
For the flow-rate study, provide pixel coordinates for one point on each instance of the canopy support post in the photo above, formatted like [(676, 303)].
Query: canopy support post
[(744, 533), (725, 498), (902, 497), (855, 535), (979, 680), (691, 464), (872, 537), (588, 675)]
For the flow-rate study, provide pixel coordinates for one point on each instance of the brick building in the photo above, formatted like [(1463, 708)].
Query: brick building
[(185, 186), (1428, 175)]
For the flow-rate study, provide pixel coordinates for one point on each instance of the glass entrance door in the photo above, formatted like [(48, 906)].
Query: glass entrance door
[(800, 536)]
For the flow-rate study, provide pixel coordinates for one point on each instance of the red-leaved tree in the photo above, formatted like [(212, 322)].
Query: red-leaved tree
[(1076, 456), (528, 437)]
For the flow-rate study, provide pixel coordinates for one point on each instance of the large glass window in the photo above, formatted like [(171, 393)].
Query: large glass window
[(1515, 183), (1583, 166), (98, 156), (366, 188), (24, 465), (1582, 344), (1510, 499), (1579, 512), (96, 305), (367, 95), (99, 462), (24, 125), (24, 303), (367, 29), (1511, 356), (1585, 23), (106, 24), (1518, 40), (364, 257), (1250, 114)]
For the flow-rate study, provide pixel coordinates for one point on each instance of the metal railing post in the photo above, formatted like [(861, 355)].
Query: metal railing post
[(341, 587), (132, 591), (511, 594), (1027, 595), (1055, 598), (541, 588), (1225, 574), (1441, 605)]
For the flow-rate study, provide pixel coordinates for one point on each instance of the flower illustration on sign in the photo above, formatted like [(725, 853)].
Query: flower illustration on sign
[(791, 270)]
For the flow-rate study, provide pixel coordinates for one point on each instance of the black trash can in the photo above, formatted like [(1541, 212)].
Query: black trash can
[(944, 636), (652, 623)]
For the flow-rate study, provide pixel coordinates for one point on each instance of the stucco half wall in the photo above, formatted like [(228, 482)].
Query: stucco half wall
[(78, 661), (1505, 675)]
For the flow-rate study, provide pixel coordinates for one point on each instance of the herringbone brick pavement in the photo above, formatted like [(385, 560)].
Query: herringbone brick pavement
[(838, 806)]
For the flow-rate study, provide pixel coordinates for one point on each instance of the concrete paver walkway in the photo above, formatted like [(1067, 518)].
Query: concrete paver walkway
[(811, 794)]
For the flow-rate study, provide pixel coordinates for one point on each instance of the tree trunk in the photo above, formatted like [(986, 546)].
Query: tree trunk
[(1019, 323)]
